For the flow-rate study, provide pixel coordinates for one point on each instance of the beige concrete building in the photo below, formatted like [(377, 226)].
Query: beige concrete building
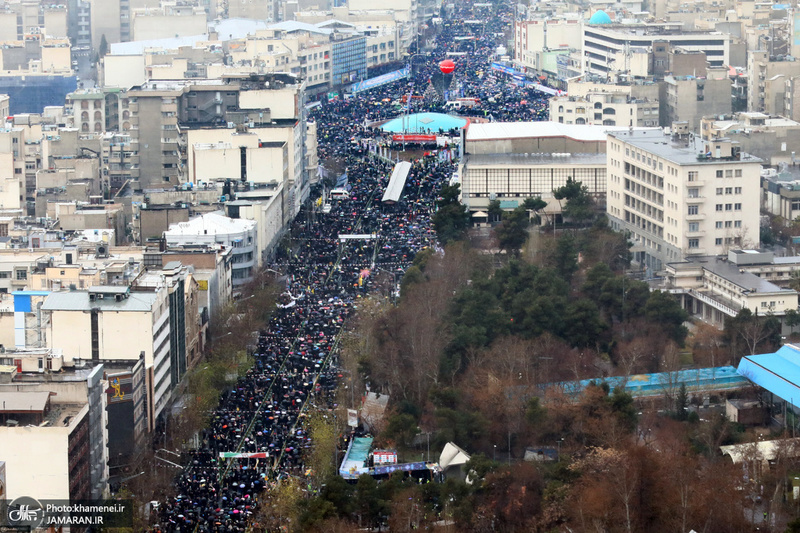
[(88, 109), (168, 21), (767, 80), (604, 109), (32, 374), (677, 198), (47, 451), (93, 325), (772, 138), (717, 288), (689, 99), (533, 36)]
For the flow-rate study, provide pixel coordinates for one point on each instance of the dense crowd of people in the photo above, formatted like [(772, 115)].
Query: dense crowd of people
[(295, 359)]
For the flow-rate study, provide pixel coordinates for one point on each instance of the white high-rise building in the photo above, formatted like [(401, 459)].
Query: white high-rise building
[(679, 196)]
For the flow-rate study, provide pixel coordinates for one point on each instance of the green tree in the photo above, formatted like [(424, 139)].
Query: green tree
[(401, 428), (664, 309), (412, 276), (579, 206), (451, 220), (565, 258), (102, 50), (535, 205), (682, 403), (513, 231), (584, 324), (792, 318), (494, 211)]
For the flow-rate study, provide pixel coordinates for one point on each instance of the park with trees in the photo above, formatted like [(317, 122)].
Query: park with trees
[(466, 354)]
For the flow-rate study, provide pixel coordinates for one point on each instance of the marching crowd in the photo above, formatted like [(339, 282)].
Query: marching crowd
[(259, 420)]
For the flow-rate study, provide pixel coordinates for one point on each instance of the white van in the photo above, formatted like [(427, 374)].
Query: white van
[(338, 194)]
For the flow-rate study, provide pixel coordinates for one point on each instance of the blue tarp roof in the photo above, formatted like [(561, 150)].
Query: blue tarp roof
[(778, 372), (715, 378)]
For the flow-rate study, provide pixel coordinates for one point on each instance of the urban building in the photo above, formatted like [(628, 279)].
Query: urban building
[(60, 433), (512, 178), (715, 288), (688, 98), (775, 139), (214, 228), (678, 196), (608, 47), (112, 323), (768, 76), (604, 109)]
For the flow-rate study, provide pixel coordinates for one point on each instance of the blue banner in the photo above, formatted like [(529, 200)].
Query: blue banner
[(380, 80)]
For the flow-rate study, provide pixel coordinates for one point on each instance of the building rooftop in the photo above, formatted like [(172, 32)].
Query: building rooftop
[(675, 151), (293, 26), (521, 130), (80, 301), (733, 273), (210, 224), (778, 372), (23, 402)]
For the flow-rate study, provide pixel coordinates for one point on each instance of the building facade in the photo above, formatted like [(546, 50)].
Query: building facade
[(680, 197)]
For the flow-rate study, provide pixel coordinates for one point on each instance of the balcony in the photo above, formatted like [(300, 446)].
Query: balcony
[(696, 216)]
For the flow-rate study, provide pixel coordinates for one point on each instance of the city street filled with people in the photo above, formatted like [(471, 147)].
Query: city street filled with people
[(325, 275)]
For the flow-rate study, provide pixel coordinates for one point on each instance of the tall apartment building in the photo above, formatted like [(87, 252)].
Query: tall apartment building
[(531, 37), (768, 77), (112, 323), (688, 98), (678, 197), (162, 115), (12, 170), (607, 47)]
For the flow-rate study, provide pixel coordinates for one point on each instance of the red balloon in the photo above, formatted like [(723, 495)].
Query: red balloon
[(447, 66)]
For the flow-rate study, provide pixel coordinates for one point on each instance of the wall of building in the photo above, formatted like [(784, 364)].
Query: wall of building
[(123, 71), (36, 459)]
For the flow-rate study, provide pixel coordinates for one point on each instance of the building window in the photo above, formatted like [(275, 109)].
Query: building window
[(693, 210), (719, 173), (718, 241), (728, 207), (694, 193), (738, 173), (719, 224), (728, 223), (728, 190), (729, 173), (719, 191), (692, 175), (694, 226), (694, 243), (22, 275), (737, 224), (737, 190), (737, 207), (719, 207)]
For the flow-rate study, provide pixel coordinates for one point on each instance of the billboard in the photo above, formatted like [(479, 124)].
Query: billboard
[(378, 81)]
